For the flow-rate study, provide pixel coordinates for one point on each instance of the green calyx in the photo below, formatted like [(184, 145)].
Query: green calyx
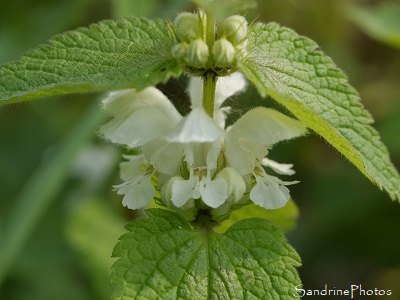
[(200, 49)]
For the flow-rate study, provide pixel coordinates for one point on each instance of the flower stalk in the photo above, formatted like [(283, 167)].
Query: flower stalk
[(209, 86), (209, 78)]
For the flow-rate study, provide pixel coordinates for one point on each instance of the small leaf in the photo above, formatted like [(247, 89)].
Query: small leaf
[(381, 22), (284, 217), (162, 257), (130, 52), (292, 70)]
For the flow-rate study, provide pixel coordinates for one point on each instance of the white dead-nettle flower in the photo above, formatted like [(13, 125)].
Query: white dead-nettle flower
[(195, 158)]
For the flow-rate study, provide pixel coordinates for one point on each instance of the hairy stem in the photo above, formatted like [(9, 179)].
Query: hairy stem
[(209, 78), (209, 85)]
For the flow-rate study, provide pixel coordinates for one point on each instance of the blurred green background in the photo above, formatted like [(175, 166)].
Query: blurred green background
[(56, 175)]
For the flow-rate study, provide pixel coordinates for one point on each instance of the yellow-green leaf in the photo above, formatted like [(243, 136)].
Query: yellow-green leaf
[(295, 72)]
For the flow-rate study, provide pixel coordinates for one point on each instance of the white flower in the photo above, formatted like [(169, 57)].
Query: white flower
[(147, 119), (200, 185), (248, 140), (236, 184), (269, 192), (137, 188), (139, 117), (246, 145), (197, 127), (196, 156), (284, 169)]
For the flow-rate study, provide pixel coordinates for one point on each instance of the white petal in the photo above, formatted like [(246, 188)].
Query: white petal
[(220, 115), (188, 209), (130, 100), (118, 101), (200, 155), (183, 190), (213, 192), (266, 126), (197, 127), (229, 86), (213, 153), (269, 194), (190, 156), (165, 157), (138, 192), (196, 154), (195, 90), (241, 159), (284, 169), (139, 117), (248, 139), (133, 167), (236, 184)]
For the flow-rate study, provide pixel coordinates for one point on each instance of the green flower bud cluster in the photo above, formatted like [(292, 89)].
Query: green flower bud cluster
[(232, 42), (189, 30), (192, 50)]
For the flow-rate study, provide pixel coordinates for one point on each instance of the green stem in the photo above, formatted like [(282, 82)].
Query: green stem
[(209, 85), (209, 78), (204, 223)]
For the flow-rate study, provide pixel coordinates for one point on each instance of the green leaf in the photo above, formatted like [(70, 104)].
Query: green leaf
[(162, 257), (284, 217), (381, 22), (130, 52), (292, 70)]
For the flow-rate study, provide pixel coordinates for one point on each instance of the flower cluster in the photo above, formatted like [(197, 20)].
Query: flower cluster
[(194, 162), (191, 47)]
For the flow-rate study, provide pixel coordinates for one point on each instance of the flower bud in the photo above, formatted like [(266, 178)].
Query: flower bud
[(198, 53), (179, 50), (235, 29), (223, 52), (188, 27)]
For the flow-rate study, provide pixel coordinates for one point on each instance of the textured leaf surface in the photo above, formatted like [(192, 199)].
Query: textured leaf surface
[(162, 257), (292, 70), (130, 52)]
